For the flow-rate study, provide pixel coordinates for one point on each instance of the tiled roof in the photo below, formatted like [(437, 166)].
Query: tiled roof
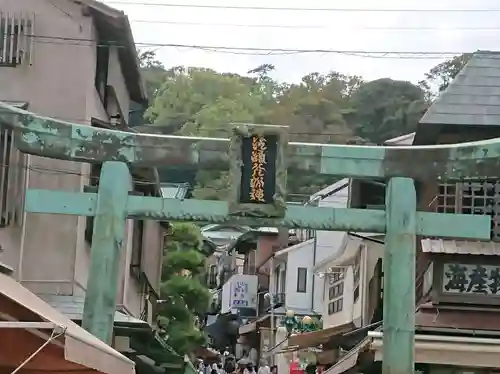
[(473, 97)]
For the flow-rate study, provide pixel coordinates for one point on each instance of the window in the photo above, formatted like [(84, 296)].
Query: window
[(356, 293), (357, 273), (212, 276), (301, 280), (101, 70), (16, 44), (335, 306), (137, 245), (472, 197), (336, 291)]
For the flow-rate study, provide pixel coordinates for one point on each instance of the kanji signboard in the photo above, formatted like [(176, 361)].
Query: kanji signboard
[(258, 171), (471, 279)]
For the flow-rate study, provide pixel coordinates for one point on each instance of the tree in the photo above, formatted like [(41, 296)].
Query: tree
[(322, 108), (442, 74), (153, 71), (202, 102), (386, 108), (186, 297)]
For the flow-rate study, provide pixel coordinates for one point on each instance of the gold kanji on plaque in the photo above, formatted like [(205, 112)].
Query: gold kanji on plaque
[(258, 159)]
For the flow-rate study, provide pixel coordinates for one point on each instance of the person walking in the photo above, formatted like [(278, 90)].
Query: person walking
[(263, 368)]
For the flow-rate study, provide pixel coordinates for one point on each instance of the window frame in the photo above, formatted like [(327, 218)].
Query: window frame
[(301, 282)]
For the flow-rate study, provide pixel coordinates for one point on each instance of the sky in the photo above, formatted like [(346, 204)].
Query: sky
[(394, 31)]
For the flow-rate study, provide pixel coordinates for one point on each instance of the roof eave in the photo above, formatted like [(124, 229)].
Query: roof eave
[(128, 55)]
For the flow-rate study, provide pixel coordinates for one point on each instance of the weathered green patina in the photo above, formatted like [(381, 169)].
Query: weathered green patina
[(63, 140), (107, 241), (399, 286), (333, 219), (401, 222)]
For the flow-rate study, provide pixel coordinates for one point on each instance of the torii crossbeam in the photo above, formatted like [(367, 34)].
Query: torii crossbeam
[(112, 204)]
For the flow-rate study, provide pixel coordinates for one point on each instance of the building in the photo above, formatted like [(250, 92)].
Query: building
[(345, 281), (241, 298), (57, 60), (457, 320), (223, 235)]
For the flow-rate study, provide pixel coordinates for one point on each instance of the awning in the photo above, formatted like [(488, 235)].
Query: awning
[(350, 359), (448, 350), (313, 339), (252, 326), (27, 319), (462, 247), (344, 256)]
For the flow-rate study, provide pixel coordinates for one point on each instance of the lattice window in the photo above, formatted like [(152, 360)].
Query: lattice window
[(336, 292), (472, 197)]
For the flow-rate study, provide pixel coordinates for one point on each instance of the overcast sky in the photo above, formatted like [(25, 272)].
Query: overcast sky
[(332, 30)]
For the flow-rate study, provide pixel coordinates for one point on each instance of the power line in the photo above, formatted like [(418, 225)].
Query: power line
[(360, 53), (233, 7), (256, 50), (317, 27)]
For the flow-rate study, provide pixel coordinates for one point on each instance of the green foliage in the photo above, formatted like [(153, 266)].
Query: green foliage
[(183, 236), (383, 105), (186, 297), (322, 108), (182, 259), (153, 72), (442, 74)]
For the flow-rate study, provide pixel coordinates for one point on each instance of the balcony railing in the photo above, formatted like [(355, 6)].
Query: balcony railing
[(244, 269), (266, 302)]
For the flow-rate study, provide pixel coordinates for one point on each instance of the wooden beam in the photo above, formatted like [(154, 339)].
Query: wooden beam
[(53, 138), (334, 219)]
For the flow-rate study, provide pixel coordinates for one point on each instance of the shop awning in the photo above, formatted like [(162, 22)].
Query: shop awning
[(27, 325), (451, 350), (252, 326), (313, 339), (349, 360)]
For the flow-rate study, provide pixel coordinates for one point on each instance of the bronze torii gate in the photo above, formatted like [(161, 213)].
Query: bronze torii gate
[(259, 158)]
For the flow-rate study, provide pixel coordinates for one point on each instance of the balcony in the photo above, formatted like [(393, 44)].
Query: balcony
[(244, 269), (215, 304), (267, 301)]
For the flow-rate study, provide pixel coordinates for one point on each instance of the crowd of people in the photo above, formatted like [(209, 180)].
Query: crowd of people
[(231, 366)]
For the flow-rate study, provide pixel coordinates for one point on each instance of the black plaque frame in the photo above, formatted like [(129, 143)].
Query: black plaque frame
[(277, 208)]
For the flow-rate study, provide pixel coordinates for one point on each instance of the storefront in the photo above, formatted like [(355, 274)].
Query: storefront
[(36, 338)]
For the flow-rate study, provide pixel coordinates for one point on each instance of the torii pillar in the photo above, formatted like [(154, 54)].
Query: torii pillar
[(400, 222)]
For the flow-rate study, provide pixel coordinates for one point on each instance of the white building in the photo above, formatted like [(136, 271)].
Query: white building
[(294, 279), (337, 275)]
